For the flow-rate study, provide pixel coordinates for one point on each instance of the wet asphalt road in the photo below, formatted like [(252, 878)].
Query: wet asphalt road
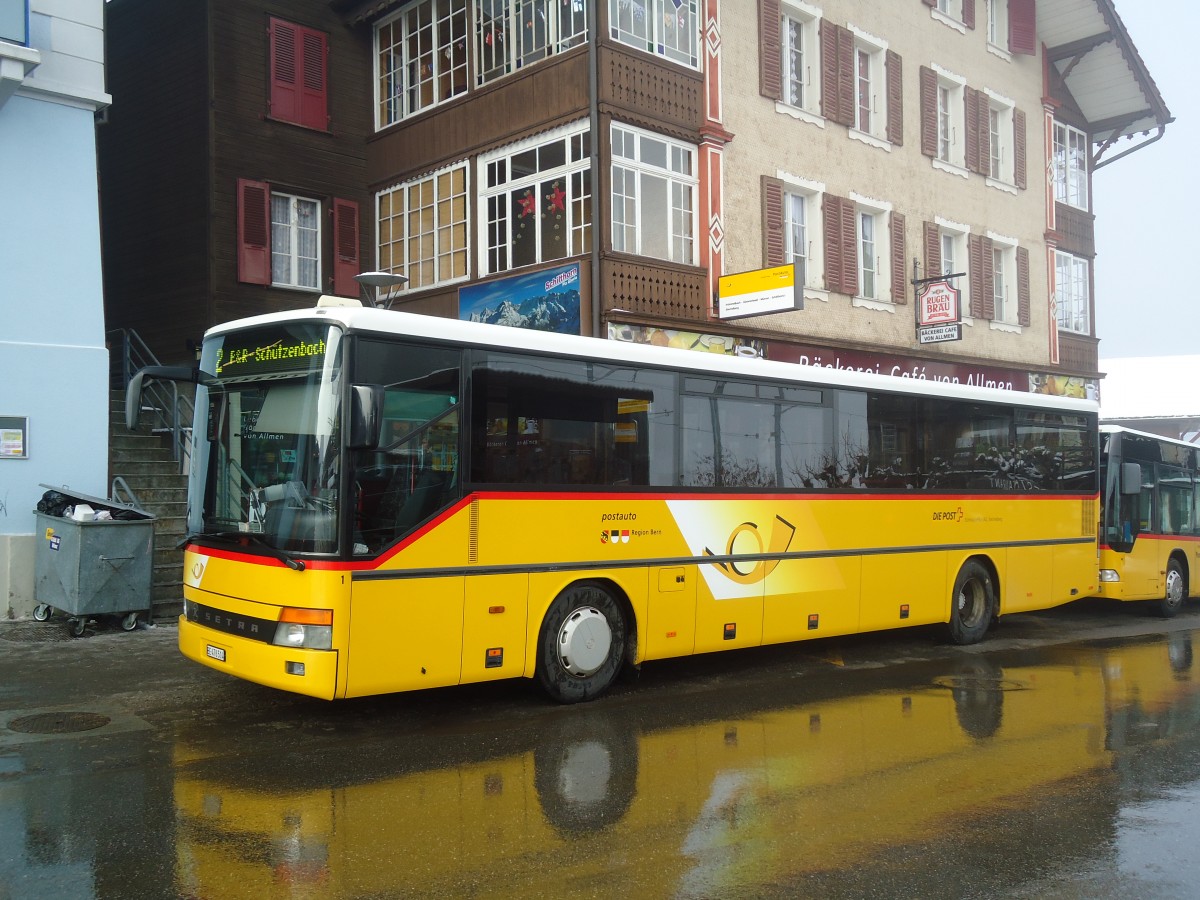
[(1061, 758)]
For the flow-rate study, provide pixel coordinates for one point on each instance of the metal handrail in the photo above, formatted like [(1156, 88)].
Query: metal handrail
[(123, 493), (170, 412)]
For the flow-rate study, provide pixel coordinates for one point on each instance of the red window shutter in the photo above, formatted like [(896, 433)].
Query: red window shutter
[(299, 83), (988, 304), (928, 91), (831, 105), (254, 231), (770, 49), (845, 74), (774, 246), (1022, 26), (849, 248), (933, 249), (831, 223), (1023, 314), (899, 261), (1019, 148), (314, 104), (285, 78), (969, 13), (975, 273), (983, 126), (895, 99), (971, 121), (345, 250)]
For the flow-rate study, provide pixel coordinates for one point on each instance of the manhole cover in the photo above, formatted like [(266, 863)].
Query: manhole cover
[(58, 723), (978, 683), (34, 632)]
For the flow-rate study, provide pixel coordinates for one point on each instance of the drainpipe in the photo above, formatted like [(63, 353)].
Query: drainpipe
[(594, 127)]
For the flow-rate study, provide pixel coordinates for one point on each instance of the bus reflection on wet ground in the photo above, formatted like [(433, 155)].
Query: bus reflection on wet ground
[(1010, 773)]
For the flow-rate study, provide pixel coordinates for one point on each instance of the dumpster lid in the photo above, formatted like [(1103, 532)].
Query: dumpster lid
[(99, 502)]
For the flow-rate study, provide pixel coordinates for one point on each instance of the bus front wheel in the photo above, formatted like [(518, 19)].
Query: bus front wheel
[(972, 605), (581, 644), (1172, 600)]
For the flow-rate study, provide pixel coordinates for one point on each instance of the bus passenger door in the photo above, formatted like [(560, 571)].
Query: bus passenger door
[(1143, 575), (405, 634)]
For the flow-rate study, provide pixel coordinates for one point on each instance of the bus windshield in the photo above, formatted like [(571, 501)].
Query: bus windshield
[(269, 464)]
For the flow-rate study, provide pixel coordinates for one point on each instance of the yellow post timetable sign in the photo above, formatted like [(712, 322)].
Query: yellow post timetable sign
[(762, 291)]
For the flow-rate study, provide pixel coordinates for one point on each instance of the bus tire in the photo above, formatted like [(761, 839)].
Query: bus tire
[(581, 644), (972, 605), (1176, 592)]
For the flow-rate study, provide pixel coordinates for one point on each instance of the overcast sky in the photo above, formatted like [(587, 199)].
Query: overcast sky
[(1147, 295)]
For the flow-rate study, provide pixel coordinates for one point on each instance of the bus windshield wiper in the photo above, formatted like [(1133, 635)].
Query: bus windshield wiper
[(237, 536)]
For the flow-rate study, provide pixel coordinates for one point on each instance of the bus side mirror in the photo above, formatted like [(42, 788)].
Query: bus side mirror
[(133, 391), (366, 410), (1131, 479)]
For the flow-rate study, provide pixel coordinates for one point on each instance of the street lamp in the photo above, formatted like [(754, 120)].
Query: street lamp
[(379, 280)]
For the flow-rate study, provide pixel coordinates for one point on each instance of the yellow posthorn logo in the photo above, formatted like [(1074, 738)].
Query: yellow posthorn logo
[(781, 539)]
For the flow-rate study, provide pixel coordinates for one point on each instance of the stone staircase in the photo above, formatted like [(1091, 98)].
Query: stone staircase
[(143, 460)]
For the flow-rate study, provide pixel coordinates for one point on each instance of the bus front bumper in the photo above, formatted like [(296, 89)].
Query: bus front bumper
[(309, 672)]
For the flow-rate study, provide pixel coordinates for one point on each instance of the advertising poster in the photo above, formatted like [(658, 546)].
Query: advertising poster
[(546, 300)]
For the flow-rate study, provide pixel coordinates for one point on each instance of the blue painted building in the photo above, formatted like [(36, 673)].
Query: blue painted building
[(53, 361)]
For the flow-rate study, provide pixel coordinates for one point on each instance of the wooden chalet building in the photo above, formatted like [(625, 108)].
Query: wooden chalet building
[(233, 167)]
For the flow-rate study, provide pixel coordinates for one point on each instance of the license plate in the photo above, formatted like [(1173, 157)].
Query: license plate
[(217, 653)]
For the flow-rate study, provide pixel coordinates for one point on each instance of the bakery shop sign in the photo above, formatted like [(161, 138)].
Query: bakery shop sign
[(939, 313)]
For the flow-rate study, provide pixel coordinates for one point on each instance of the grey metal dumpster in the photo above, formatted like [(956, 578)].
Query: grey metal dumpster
[(94, 568)]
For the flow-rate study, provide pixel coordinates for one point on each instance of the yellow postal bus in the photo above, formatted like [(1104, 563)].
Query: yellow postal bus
[(1150, 542), (386, 502)]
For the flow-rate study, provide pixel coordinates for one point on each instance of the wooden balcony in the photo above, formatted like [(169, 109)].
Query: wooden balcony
[(1078, 354), (654, 289)]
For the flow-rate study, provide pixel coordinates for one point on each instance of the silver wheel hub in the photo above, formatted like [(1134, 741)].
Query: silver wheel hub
[(584, 641), (1174, 587)]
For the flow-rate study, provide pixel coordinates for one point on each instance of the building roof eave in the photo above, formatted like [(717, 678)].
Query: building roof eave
[(1090, 49)]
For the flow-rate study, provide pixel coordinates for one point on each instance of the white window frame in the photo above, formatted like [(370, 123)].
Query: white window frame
[(1070, 178), (632, 172), (289, 247), (1072, 293), (805, 19), (814, 257), (1005, 302), (878, 212), (647, 32), (1002, 154), (498, 188), (870, 73), (949, 12), (957, 234), (950, 103), (435, 242), (396, 98), (997, 27), (518, 17)]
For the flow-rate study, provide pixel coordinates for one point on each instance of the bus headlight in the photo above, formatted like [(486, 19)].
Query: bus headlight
[(311, 637), (311, 629), (1109, 575)]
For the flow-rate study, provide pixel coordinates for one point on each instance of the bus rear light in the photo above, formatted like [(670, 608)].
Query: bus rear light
[(1109, 575)]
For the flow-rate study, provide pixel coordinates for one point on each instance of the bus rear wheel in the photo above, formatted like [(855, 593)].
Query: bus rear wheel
[(581, 644), (972, 605), (1172, 599)]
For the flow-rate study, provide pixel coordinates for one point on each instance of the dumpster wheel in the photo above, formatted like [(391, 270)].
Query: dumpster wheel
[(76, 625), (129, 621), (41, 612)]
